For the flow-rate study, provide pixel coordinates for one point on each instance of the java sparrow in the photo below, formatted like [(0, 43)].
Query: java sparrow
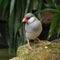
[(33, 27)]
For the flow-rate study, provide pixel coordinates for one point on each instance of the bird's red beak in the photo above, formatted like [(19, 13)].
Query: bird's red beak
[(25, 20)]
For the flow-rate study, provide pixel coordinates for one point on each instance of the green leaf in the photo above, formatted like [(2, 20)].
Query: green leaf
[(48, 10), (19, 13), (11, 18), (39, 7), (0, 2), (53, 24), (12, 6), (30, 5), (50, 3), (11, 32), (27, 6), (35, 4), (4, 6), (11, 41), (11, 25)]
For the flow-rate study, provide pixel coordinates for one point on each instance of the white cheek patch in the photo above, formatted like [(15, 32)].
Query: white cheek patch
[(31, 19)]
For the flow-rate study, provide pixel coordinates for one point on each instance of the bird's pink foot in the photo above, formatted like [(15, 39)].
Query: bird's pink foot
[(30, 47), (42, 42)]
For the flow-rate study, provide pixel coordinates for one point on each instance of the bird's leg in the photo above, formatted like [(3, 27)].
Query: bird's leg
[(29, 45), (40, 41)]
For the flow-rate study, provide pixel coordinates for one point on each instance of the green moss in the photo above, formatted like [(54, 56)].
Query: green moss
[(46, 51)]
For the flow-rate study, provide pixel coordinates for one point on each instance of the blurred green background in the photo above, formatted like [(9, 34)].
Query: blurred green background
[(12, 12)]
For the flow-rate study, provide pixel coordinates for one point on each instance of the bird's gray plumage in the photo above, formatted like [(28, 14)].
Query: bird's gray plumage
[(33, 27), (29, 15)]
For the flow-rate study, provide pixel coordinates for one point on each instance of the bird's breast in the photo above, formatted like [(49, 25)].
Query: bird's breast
[(33, 30), (33, 27), (32, 35)]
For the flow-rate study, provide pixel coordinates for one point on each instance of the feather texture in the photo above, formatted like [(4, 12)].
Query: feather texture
[(33, 28)]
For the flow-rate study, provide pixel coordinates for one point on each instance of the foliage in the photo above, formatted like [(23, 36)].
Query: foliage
[(16, 9), (52, 6)]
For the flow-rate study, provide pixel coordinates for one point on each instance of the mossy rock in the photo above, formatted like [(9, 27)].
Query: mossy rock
[(46, 51)]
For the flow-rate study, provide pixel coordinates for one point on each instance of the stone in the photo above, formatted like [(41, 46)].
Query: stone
[(46, 51)]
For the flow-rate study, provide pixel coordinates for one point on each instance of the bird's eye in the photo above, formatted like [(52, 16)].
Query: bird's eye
[(28, 18)]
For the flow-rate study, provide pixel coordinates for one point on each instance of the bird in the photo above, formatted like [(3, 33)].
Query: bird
[(33, 27)]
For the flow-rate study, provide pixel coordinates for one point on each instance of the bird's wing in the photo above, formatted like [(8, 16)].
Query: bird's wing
[(33, 27), (37, 25)]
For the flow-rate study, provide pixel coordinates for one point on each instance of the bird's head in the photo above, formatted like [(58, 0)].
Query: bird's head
[(28, 17)]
